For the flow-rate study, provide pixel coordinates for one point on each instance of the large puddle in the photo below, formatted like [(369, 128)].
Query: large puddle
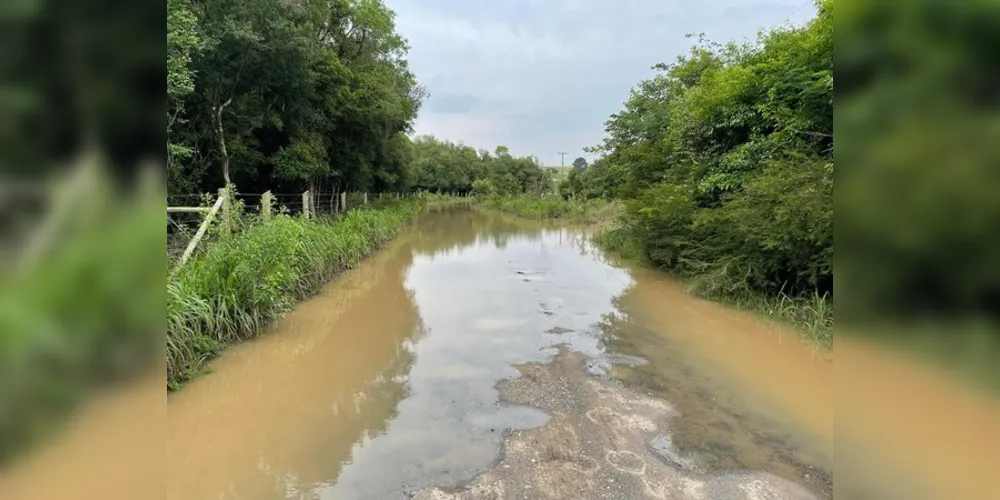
[(386, 383), (479, 356)]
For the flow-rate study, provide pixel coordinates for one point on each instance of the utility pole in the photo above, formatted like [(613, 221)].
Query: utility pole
[(562, 159)]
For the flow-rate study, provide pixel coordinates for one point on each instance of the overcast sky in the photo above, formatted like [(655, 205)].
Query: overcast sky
[(542, 76)]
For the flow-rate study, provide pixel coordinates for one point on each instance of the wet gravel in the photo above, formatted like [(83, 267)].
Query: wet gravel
[(601, 441)]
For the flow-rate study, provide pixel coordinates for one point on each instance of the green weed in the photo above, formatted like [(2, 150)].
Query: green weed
[(239, 285)]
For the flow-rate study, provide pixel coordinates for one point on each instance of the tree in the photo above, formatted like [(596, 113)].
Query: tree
[(289, 96), (725, 159), (580, 164), (446, 166), (183, 42)]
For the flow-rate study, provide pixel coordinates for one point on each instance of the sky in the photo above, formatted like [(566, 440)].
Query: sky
[(542, 76)]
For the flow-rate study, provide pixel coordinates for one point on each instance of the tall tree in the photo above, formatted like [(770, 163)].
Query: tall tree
[(292, 95)]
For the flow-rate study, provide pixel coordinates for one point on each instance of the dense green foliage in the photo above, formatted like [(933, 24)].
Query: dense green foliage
[(448, 167), (282, 96), (601, 179), (238, 285), (725, 159), (316, 95), (554, 207)]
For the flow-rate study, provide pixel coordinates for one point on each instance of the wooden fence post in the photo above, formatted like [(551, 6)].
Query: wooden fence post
[(265, 205), (199, 235), (305, 204), (343, 201), (226, 203), (366, 197)]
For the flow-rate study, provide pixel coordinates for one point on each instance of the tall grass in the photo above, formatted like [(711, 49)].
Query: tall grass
[(555, 207), (239, 285), (445, 199), (619, 242), (811, 316)]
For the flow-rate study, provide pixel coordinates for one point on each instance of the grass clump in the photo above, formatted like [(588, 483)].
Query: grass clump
[(239, 285), (555, 207)]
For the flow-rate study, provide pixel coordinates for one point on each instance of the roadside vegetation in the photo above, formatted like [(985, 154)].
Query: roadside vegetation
[(233, 290), (443, 166), (268, 96), (724, 163), (595, 211)]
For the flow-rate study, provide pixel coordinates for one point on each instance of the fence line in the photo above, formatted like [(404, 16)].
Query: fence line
[(223, 195), (319, 203), (264, 205)]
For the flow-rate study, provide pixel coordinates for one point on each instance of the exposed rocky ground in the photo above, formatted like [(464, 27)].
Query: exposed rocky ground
[(601, 441)]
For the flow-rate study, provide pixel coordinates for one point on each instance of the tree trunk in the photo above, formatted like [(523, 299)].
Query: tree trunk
[(222, 140)]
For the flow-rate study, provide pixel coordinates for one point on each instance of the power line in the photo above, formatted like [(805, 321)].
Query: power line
[(789, 16), (562, 158)]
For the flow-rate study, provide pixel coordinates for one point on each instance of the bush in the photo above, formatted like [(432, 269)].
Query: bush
[(776, 235), (484, 187), (725, 160)]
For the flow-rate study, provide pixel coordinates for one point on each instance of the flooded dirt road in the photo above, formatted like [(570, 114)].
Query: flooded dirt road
[(482, 357), (477, 357)]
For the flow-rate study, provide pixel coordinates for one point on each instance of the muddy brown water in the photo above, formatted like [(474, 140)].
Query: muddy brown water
[(479, 356), (385, 384)]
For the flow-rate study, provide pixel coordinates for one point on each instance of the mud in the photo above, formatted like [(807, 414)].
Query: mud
[(601, 441)]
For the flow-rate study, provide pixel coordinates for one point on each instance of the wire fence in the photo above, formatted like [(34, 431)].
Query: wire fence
[(186, 212)]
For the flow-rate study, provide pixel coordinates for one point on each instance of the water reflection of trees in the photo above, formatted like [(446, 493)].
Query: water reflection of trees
[(615, 325), (716, 425), (453, 228), (373, 302), (363, 412)]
